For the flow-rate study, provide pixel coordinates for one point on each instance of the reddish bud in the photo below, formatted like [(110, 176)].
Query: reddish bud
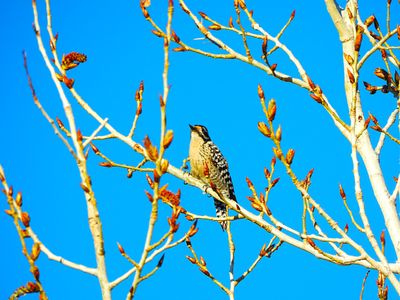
[(351, 76), (264, 46), (342, 193), (84, 188), (25, 219), (191, 259), (267, 173), (310, 83), (249, 183), (161, 261), (35, 272), (349, 59), (316, 98), (105, 164), (175, 37), (274, 182), (273, 67), (346, 228), (230, 22), (292, 15), (382, 237), (120, 248), (149, 196), (94, 148), (59, 123)]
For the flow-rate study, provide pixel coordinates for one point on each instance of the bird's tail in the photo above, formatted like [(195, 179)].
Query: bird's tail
[(221, 212)]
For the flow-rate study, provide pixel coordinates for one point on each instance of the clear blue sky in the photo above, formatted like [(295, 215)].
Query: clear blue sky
[(219, 94)]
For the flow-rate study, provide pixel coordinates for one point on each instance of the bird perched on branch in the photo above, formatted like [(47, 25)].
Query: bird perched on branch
[(209, 165)]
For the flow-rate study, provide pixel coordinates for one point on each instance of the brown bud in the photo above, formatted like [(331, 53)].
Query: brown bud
[(79, 136), (274, 182), (85, 188), (242, 4), (263, 251), (105, 164), (311, 242), (357, 43), (278, 133), (349, 59), (156, 176), (32, 287), (264, 46), (377, 128), (267, 173), (260, 92), (273, 162), (9, 212), (203, 15), (351, 76), (179, 49), (35, 272), (375, 120), (151, 150), (157, 33), (277, 152), (367, 121), (94, 148), (256, 206), (317, 98), (310, 83), (249, 183), (175, 37), (214, 27), (273, 67), (263, 128), (381, 73), (18, 199), (346, 228), (149, 196), (69, 82), (382, 237), (191, 259), (230, 22), (202, 261), (164, 166), (271, 111), (35, 251), (59, 123), (383, 53), (290, 156), (10, 191), (120, 248), (369, 20), (205, 271), (168, 139), (342, 193), (25, 219), (292, 15)]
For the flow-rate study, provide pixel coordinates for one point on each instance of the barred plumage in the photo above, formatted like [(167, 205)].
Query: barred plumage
[(208, 164)]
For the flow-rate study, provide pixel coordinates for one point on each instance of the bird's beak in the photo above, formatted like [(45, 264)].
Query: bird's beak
[(191, 127)]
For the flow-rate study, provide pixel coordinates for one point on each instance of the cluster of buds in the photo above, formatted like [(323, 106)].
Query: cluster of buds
[(72, 60), (382, 290), (317, 93), (172, 221), (169, 197), (151, 150), (266, 251)]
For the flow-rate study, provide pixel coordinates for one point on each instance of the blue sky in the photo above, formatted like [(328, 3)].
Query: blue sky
[(219, 94)]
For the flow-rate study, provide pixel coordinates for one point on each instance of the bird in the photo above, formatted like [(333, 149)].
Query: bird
[(209, 165)]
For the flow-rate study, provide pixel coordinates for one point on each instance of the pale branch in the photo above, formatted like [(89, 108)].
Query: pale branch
[(94, 134), (363, 260), (92, 210)]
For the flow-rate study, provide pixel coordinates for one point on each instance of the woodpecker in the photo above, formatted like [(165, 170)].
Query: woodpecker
[(209, 165)]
